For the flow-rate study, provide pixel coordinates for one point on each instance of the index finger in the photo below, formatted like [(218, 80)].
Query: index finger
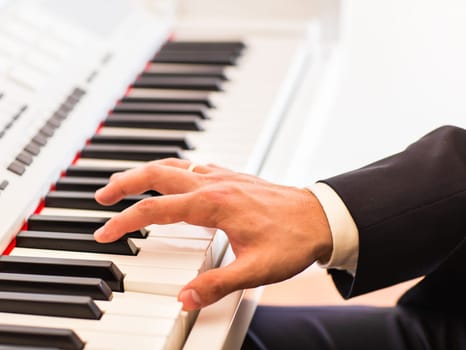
[(152, 176), (156, 210)]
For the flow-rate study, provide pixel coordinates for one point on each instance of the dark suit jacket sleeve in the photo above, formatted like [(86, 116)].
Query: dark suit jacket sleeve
[(410, 210)]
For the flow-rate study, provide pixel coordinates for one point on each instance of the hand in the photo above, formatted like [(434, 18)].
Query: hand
[(275, 231)]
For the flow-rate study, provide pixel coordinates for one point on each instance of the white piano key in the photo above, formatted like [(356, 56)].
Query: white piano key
[(148, 305), (160, 259), (178, 246), (141, 278), (175, 245), (100, 336), (133, 303), (176, 230), (115, 341), (154, 280), (148, 93), (124, 324), (76, 213), (167, 278), (149, 316), (182, 230), (182, 68), (103, 163), (115, 131), (179, 230), (164, 233)]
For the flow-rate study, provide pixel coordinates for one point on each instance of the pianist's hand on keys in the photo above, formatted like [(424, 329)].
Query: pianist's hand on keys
[(275, 231)]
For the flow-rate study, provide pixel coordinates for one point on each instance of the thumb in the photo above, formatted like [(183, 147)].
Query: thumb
[(214, 284)]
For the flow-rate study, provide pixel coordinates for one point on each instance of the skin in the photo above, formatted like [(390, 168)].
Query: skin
[(275, 231)]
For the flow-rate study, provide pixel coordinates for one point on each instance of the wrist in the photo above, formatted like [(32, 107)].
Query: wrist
[(322, 236)]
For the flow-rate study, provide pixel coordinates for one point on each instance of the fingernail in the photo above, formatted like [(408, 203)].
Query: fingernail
[(190, 299)]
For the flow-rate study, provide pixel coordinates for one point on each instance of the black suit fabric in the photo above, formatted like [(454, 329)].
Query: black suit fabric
[(410, 211)]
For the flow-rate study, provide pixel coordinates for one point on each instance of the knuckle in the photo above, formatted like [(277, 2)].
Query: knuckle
[(114, 222), (171, 161), (152, 168), (214, 178), (115, 176), (215, 195), (116, 180), (145, 206), (217, 286)]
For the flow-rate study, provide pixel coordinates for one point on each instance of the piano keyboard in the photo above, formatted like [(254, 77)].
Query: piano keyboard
[(192, 99)]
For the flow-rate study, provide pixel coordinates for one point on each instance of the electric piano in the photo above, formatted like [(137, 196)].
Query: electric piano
[(92, 87)]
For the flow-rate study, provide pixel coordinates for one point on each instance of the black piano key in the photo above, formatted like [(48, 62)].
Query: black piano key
[(89, 171), (86, 200), (168, 122), (179, 83), (44, 337), (197, 55), (161, 108), (62, 285), (50, 305), (130, 152), (75, 242), (194, 56), (73, 224), (20, 347), (175, 141), (105, 270), (204, 45), (194, 70), (84, 184), (202, 98)]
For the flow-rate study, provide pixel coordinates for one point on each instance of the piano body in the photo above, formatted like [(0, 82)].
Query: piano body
[(67, 69)]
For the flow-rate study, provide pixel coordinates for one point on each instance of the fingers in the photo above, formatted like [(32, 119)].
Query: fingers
[(159, 176), (187, 207), (156, 210), (214, 284)]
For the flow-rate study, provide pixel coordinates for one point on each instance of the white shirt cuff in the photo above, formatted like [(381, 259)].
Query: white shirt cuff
[(345, 234)]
